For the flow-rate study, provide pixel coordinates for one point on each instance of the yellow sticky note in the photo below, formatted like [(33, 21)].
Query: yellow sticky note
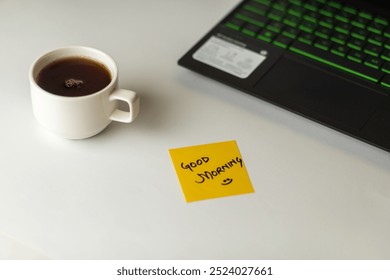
[(211, 171)]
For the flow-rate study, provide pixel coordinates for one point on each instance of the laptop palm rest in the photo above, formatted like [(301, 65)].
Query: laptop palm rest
[(318, 95)]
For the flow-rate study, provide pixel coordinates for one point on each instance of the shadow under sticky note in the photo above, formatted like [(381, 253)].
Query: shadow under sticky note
[(211, 171)]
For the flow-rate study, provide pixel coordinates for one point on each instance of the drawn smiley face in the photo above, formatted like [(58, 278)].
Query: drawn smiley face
[(227, 181)]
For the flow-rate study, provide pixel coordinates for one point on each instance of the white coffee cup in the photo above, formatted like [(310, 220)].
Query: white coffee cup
[(83, 116)]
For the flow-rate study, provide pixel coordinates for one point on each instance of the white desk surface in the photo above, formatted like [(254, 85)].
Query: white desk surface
[(319, 194)]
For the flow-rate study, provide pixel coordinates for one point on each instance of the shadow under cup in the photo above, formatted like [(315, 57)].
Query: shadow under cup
[(80, 116)]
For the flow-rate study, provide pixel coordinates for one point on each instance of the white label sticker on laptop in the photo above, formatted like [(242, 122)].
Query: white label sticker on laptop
[(228, 57)]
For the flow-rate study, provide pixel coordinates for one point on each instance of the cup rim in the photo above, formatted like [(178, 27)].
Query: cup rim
[(113, 69)]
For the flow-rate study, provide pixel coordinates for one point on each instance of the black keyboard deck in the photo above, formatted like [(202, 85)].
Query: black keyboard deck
[(352, 40)]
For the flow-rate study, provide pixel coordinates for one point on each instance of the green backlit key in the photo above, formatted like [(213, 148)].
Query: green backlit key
[(350, 10), (251, 30), (386, 81), (356, 44), (343, 27), (376, 39), (291, 32), (264, 2), (339, 38), (267, 35), (257, 8), (296, 11), (372, 49), (386, 67), (323, 44), (327, 22), (306, 38), (282, 41), (339, 50), (276, 15), (376, 27), (359, 33), (327, 11), (252, 18), (307, 26), (360, 22), (335, 5), (281, 6), (235, 24), (386, 55), (275, 26), (373, 62), (291, 20), (323, 32)]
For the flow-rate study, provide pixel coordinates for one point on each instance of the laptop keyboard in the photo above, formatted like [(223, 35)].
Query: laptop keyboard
[(341, 36)]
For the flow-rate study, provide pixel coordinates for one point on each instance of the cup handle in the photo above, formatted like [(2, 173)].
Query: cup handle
[(131, 98)]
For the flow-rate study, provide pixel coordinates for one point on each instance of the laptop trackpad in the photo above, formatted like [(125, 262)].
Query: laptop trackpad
[(317, 94)]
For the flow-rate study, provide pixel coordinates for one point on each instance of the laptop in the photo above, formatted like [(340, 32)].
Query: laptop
[(328, 61)]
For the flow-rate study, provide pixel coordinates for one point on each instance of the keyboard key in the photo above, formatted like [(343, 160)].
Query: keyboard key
[(373, 62), (386, 67), (350, 10), (356, 44), (339, 50), (376, 39), (366, 15), (257, 8), (343, 16), (306, 38), (314, 3), (339, 38), (386, 55), (336, 62), (282, 41), (376, 27), (292, 21), (251, 30), (386, 81), (311, 7), (280, 6), (296, 2), (359, 33), (381, 20), (343, 27), (327, 11), (323, 44), (267, 35), (275, 26), (252, 18), (387, 44), (373, 50), (276, 15), (327, 22), (307, 26), (360, 22), (356, 56), (386, 32), (335, 5), (311, 16), (264, 2), (235, 23), (291, 32), (296, 11), (323, 32)]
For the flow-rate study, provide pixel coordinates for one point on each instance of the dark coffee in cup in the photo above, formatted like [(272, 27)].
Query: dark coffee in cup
[(74, 76), (75, 94)]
